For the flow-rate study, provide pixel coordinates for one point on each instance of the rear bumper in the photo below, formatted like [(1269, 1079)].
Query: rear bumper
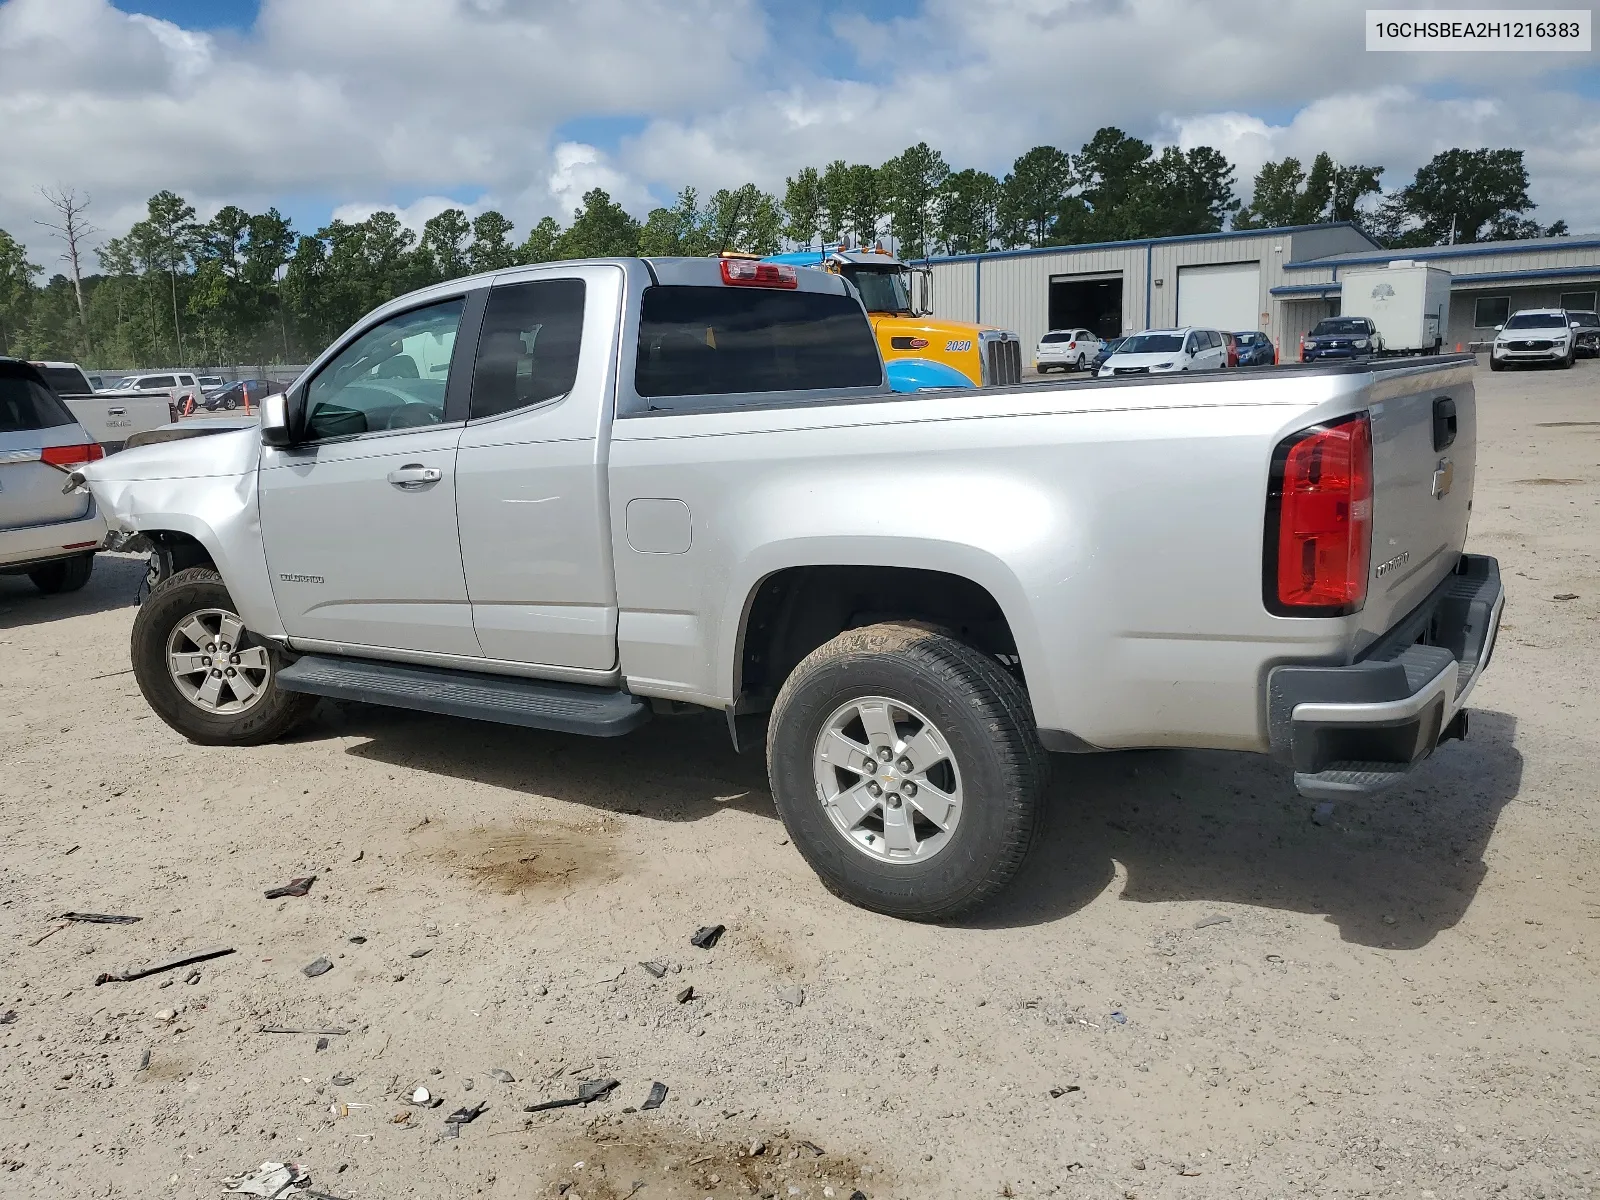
[(1359, 728), (35, 544)]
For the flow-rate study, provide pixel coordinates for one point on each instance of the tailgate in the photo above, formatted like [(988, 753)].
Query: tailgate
[(1424, 443), (115, 418)]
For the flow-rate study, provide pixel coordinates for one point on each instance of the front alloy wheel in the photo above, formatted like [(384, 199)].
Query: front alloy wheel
[(214, 667)]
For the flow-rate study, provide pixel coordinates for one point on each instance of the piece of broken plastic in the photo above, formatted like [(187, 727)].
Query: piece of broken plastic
[(655, 968), (295, 887), (656, 1098), (271, 1180), (320, 967), (595, 1089), (706, 936)]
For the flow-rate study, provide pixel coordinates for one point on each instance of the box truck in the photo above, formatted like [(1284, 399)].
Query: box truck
[(1408, 301)]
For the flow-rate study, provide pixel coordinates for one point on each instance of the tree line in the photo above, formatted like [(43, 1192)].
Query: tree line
[(248, 288)]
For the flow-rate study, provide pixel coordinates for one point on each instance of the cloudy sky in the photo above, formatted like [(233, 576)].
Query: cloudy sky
[(337, 107)]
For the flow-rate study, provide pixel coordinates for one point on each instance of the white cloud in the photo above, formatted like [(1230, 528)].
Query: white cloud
[(362, 103)]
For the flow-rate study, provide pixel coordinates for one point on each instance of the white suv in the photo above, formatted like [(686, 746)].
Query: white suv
[(1535, 335), (1167, 351), (1068, 349)]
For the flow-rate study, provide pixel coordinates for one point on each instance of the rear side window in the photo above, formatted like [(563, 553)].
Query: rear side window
[(154, 383), (528, 350), (722, 341), (24, 405), (66, 381)]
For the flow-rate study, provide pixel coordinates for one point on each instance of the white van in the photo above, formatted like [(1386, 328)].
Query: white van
[(1166, 351)]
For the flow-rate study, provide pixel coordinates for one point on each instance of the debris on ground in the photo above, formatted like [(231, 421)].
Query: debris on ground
[(331, 1031), (463, 1116), (357, 940), (422, 952), (9, 1017), (1057, 1092), (1565, 596), (546, 1106), (1119, 1018), (271, 1180), (793, 996), (322, 1043), (144, 1062), (193, 977), (656, 1098), (813, 1147), (1322, 814), (141, 972), (1208, 922), (295, 887), (659, 970), (320, 967), (97, 918), (595, 1089), (706, 936), (502, 1075), (686, 994), (49, 933), (342, 1080)]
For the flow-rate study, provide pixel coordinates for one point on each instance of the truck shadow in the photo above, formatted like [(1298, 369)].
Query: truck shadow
[(114, 584), (673, 769), (1208, 826), (1392, 870)]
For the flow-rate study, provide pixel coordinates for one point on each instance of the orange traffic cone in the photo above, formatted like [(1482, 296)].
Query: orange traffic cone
[(1458, 347)]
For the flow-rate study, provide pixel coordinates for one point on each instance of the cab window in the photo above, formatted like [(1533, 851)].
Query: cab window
[(391, 377), (528, 351)]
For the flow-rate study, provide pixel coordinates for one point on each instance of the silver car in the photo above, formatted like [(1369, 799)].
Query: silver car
[(46, 534)]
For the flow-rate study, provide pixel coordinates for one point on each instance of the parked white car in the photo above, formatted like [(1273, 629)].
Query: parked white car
[(1535, 335), (1163, 351), (1066, 350)]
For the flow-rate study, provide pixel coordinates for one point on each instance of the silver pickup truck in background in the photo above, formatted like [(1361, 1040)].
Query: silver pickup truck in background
[(576, 496), (111, 417)]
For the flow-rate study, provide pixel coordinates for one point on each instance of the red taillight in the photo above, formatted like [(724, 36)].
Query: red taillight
[(1319, 521), (67, 457), (1072, 345), (745, 272)]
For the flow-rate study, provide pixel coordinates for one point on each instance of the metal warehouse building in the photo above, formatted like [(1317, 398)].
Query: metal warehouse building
[(1280, 281)]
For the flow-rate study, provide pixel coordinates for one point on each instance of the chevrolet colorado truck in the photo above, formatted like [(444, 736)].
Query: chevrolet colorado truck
[(576, 496)]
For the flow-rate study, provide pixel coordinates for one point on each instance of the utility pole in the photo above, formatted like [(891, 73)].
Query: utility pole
[(72, 229)]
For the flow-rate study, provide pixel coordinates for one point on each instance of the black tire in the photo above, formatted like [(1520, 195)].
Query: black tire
[(230, 404), (984, 717), (1572, 356), (64, 575), (1080, 364), (1495, 364), (186, 593)]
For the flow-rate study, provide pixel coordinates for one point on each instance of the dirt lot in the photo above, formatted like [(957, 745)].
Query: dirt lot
[(1401, 1001)]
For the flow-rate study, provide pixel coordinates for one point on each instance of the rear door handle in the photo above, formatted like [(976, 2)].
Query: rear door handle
[(116, 412), (414, 475)]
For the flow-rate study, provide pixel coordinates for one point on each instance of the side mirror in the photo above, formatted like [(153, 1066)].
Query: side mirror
[(275, 430), (923, 301), (1498, 328), (1575, 325)]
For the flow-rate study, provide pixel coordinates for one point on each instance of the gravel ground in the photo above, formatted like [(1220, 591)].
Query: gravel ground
[(1230, 999)]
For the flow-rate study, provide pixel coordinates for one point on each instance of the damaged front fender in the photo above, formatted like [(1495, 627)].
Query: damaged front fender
[(203, 488)]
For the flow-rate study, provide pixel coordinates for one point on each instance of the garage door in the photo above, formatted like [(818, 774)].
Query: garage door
[(1226, 296)]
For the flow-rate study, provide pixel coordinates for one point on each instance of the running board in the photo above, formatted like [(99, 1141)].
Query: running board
[(506, 699)]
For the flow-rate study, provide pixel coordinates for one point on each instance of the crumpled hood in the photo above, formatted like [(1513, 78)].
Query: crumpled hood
[(230, 453), (176, 484)]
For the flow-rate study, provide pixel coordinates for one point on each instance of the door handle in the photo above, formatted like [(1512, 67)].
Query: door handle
[(116, 412), (414, 475)]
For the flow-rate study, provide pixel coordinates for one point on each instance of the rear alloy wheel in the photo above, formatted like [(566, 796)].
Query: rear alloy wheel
[(1079, 365), (907, 770), (230, 404), (203, 672), (65, 575)]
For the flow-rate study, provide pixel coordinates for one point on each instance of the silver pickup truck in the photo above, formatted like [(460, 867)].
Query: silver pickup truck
[(576, 496)]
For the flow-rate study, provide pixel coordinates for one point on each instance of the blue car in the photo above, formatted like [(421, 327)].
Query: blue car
[(1255, 350), (1107, 349)]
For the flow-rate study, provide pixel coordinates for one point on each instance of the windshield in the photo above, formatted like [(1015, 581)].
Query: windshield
[(881, 291), (1152, 343), (1339, 325), (1588, 320), (1552, 320)]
